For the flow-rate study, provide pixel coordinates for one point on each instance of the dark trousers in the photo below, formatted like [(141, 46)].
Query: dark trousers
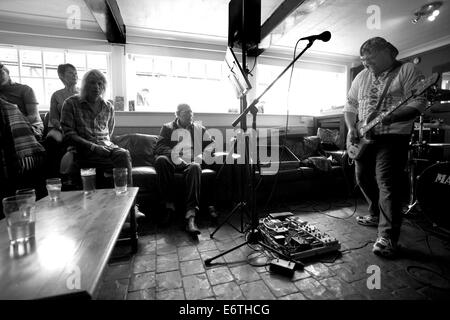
[(379, 175), (192, 174), (118, 158)]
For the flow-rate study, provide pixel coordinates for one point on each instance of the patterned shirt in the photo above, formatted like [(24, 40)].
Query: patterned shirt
[(366, 89), (78, 118)]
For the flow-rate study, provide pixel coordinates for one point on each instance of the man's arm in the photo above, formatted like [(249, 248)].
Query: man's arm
[(409, 77), (54, 116), (404, 114), (112, 121), (31, 106), (351, 110), (163, 146), (350, 121)]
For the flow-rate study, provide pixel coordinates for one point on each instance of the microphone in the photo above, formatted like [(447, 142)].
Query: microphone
[(324, 36)]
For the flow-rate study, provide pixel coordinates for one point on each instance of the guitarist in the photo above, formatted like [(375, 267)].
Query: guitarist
[(379, 169)]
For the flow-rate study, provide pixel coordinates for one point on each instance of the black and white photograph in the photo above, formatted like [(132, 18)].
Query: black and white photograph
[(225, 158)]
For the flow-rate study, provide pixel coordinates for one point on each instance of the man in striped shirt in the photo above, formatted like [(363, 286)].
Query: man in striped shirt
[(379, 170)]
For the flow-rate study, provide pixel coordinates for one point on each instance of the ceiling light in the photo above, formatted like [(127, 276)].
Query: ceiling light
[(429, 10)]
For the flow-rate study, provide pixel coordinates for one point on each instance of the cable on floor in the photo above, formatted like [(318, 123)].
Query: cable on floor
[(357, 248), (433, 256), (260, 253), (418, 279)]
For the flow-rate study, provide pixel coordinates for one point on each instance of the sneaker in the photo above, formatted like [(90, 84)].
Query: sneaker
[(384, 247), (368, 220)]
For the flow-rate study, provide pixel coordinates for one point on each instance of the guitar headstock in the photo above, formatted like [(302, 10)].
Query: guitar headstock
[(424, 84)]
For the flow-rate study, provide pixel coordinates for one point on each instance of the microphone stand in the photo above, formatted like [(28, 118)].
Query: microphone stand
[(254, 236)]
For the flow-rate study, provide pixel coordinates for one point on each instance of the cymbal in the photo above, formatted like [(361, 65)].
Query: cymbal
[(440, 145), (439, 107), (436, 125)]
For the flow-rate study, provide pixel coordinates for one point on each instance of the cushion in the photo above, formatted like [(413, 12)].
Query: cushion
[(329, 138), (305, 147), (320, 163), (141, 147), (144, 178)]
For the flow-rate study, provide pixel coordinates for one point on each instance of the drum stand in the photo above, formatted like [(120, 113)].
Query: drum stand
[(412, 161)]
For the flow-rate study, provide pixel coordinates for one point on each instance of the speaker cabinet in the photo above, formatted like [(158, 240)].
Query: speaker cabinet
[(244, 23)]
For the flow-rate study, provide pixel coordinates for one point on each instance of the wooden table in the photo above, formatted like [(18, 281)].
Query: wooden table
[(74, 239)]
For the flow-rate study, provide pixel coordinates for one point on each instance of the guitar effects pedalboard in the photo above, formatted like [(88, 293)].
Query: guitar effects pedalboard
[(295, 238)]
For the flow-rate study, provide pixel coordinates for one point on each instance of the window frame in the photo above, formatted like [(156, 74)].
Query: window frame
[(44, 106)]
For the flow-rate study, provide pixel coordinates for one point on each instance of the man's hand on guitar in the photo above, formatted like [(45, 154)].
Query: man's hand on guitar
[(353, 135)]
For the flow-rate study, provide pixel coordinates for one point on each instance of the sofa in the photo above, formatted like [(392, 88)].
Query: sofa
[(310, 167), (299, 176)]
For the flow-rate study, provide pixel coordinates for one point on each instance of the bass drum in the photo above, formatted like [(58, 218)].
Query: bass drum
[(433, 193)]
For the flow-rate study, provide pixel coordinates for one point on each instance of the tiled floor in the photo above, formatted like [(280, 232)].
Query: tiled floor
[(170, 265)]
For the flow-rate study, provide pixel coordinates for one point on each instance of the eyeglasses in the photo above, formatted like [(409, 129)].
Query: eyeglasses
[(369, 57)]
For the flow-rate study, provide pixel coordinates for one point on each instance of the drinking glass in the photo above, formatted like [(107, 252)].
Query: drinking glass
[(20, 217), (120, 180), (54, 188), (88, 178)]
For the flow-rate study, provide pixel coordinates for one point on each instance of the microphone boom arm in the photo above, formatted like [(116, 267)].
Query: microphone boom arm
[(252, 107)]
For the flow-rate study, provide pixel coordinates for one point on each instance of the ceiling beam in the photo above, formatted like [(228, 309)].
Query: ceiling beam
[(277, 17), (108, 17)]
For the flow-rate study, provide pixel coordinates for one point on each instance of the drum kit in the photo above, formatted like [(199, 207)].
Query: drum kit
[(429, 176)]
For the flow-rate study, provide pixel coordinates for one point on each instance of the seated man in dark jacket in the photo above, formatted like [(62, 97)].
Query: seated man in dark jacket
[(178, 148)]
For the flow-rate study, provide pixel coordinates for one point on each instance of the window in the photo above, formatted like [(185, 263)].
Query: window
[(38, 68), (159, 84), (313, 89)]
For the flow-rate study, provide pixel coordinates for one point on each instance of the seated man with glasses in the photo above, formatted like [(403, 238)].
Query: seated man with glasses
[(379, 169), (169, 161)]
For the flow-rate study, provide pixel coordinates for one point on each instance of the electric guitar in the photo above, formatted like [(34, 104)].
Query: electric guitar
[(356, 149)]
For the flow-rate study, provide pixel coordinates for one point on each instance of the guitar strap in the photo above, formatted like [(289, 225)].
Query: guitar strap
[(392, 75)]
